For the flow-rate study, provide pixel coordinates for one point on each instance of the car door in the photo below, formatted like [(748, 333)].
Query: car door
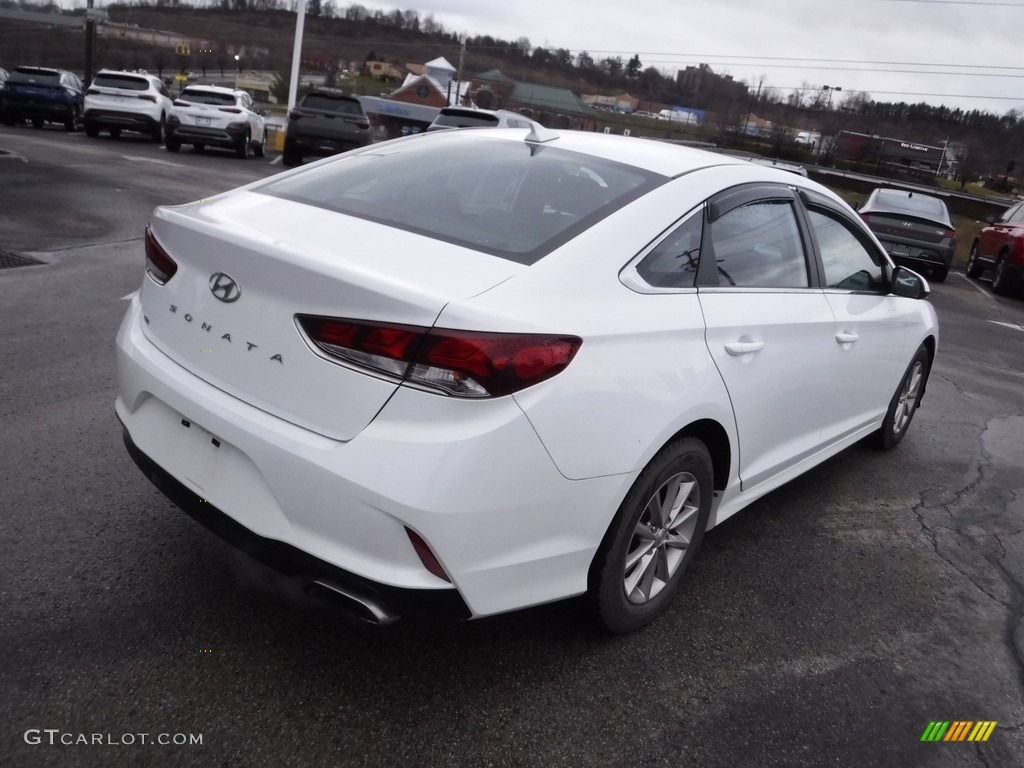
[(769, 327), (869, 351), (992, 238)]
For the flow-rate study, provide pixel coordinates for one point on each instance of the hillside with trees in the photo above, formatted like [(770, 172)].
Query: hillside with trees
[(260, 33)]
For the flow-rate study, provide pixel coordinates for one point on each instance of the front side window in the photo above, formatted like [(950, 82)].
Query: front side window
[(758, 245), (849, 263)]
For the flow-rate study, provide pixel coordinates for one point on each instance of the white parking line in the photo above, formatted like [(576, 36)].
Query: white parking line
[(976, 287), (152, 160), (1013, 326)]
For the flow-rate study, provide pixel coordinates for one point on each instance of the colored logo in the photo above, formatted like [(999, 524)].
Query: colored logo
[(958, 730)]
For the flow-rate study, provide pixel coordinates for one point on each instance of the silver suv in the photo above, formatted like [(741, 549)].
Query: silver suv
[(126, 101)]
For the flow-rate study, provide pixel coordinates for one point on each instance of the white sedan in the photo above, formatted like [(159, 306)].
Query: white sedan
[(472, 371), (209, 115)]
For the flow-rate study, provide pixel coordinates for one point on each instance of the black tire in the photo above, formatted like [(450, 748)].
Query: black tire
[(71, 124), (37, 122), (974, 265), (171, 145), (653, 537), (91, 131), (939, 274), (198, 147), (291, 156), (260, 149), (157, 133), (905, 401), (115, 133), (1000, 277), (243, 150)]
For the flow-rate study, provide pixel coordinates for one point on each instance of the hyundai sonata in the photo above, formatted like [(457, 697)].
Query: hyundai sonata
[(472, 371)]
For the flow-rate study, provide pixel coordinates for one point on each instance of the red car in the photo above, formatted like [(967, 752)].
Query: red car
[(1000, 246)]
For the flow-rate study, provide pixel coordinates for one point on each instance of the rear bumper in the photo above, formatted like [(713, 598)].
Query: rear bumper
[(214, 137), (322, 146), (130, 121), (471, 478), (22, 110), (288, 560)]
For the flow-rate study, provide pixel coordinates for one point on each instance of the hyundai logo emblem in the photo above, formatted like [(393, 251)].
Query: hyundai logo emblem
[(224, 287)]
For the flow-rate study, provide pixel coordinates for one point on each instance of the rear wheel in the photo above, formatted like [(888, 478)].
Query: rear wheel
[(157, 133), (904, 402), (243, 149), (37, 122), (1000, 277), (653, 538), (172, 145), (291, 156), (71, 124), (974, 265), (91, 131), (939, 274), (260, 149), (198, 147)]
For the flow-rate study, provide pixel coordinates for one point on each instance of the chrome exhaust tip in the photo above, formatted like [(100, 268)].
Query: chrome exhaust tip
[(359, 606)]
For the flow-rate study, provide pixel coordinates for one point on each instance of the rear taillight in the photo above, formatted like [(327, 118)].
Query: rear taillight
[(233, 110), (159, 265), (295, 114), (93, 92), (362, 122), (949, 234), (180, 103), (458, 363), (865, 218), (148, 97)]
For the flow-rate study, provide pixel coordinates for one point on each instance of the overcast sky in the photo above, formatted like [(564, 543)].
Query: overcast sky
[(961, 53)]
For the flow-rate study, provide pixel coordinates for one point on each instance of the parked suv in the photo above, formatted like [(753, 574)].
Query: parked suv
[(130, 101), (325, 122), (42, 94), (1000, 246), (208, 115)]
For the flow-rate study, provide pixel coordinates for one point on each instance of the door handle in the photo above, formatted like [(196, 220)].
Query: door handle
[(739, 348), (847, 337)]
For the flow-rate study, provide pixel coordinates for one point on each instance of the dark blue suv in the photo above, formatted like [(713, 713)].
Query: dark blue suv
[(42, 94)]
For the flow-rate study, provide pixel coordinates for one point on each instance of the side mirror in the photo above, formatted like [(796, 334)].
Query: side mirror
[(908, 284)]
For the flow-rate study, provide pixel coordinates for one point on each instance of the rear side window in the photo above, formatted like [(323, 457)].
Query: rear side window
[(758, 245), (506, 198), (121, 81), (672, 263), (332, 104)]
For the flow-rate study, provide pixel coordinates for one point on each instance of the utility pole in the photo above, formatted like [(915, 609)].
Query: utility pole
[(90, 40), (300, 23), (458, 73)]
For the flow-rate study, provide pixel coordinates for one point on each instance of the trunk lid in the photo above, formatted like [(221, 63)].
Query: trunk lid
[(287, 258)]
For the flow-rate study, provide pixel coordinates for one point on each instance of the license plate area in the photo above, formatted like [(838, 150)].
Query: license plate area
[(202, 121)]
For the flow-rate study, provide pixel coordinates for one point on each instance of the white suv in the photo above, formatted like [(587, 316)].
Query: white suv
[(209, 115), (126, 101)]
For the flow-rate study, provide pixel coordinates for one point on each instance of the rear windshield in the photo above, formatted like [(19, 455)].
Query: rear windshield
[(465, 120), (121, 81), (37, 76), (207, 97), (506, 198), (921, 205), (332, 104)]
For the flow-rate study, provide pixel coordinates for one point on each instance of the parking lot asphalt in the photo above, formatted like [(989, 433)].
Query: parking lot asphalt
[(826, 625)]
